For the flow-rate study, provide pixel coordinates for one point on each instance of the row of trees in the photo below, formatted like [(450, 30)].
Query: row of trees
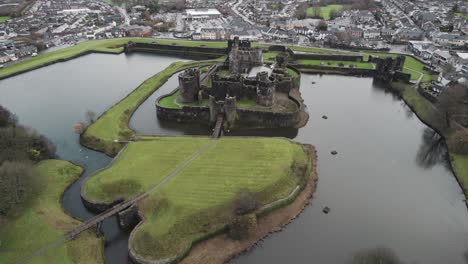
[(452, 106), (20, 147)]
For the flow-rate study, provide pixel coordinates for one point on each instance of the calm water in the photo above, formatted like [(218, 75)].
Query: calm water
[(388, 186), (54, 98)]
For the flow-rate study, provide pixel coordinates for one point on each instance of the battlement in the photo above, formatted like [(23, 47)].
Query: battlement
[(189, 85)]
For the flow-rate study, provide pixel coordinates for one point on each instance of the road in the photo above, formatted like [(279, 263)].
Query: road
[(124, 14), (234, 9)]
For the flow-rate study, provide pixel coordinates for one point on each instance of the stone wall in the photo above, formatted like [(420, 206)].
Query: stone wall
[(189, 52), (334, 70), (337, 57)]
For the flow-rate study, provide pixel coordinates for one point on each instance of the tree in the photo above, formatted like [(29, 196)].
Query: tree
[(6, 117), (458, 142), (301, 11), (335, 14), (316, 11), (450, 102), (322, 26), (90, 116), (244, 203), (16, 182)]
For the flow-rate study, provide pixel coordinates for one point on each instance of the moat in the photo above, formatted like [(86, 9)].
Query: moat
[(387, 187)]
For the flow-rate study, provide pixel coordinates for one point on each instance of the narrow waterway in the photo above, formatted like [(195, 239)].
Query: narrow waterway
[(389, 185), (52, 99)]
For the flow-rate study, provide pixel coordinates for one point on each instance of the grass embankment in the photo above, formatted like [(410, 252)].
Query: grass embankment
[(42, 221), (324, 10), (429, 115), (3, 19), (113, 46), (113, 124), (335, 64), (197, 201)]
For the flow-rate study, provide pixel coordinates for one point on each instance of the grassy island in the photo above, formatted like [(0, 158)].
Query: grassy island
[(113, 124), (324, 10), (41, 221), (197, 201)]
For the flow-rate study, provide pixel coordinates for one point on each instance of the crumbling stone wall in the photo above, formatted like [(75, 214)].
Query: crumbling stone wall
[(189, 85), (242, 56), (265, 90), (390, 69), (230, 109)]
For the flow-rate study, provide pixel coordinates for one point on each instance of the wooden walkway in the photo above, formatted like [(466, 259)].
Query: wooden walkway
[(218, 128), (116, 208)]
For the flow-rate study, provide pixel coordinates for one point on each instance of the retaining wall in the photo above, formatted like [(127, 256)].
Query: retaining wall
[(184, 51)]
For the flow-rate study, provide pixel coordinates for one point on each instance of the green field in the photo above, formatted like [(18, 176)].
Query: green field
[(173, 102), (197, 200), (3, 19), (42, 221), (332, 63), (113, 124), (324, 11)]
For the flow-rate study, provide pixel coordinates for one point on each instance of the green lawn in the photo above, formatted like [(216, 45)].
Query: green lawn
[(197, 200), (3, 19), (42, 221), (332, 63), (324, 11), (173, 102), (113, 124)]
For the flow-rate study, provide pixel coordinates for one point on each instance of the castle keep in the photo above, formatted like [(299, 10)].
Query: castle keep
[(238, 89)]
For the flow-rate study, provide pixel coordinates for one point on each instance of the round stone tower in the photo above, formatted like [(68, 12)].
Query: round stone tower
[(189, 85), (265, 89)]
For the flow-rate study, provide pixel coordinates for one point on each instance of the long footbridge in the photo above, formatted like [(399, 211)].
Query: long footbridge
[(94, 221), (218, 128)]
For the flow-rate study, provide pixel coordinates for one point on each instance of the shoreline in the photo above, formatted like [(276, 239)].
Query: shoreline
[(208, 251), (438, 131)]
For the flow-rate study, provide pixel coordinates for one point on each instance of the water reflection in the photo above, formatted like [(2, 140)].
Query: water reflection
[(432, 150), (380, 255)]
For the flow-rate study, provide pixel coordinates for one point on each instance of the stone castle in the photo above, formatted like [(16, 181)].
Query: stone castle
[(243, 76)]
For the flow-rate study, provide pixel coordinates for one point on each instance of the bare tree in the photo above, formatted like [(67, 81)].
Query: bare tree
[(90, 116), (450, 102)]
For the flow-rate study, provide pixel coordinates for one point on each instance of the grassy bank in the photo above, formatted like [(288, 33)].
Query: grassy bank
[(324, 10), (197, 200), (113, 124), (114, 46), (426, 112), (42, 221)]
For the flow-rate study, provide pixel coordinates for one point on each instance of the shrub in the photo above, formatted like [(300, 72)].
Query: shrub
[(244, 203), (458, 142), (16, 182), (240, 226)]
